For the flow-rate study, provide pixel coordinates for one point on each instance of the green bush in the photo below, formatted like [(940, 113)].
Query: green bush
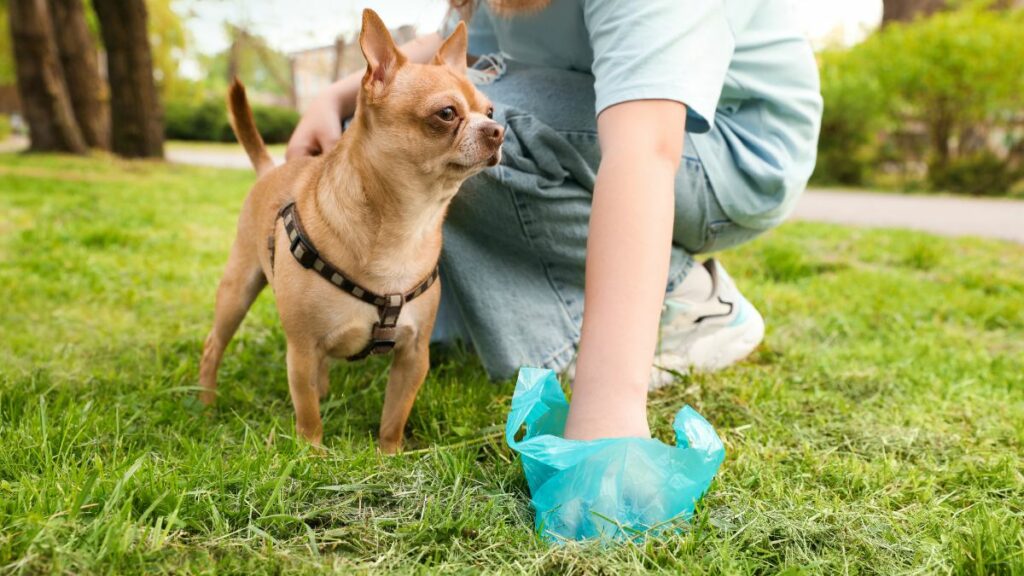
[(208, 121), (981, 174), (5, 127), (919, 93), (275, 124), (854, 110)]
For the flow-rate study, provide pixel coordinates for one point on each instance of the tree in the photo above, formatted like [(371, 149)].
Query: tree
[(956, 72), (943, 91), (41, 86), (80, 64), (908, 10), (136, 115)]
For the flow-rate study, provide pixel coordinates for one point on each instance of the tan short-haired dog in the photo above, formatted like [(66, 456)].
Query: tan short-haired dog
[(350, 240)]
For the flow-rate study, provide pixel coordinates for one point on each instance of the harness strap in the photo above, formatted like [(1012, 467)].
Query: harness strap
[(382, 336), (389, 306)]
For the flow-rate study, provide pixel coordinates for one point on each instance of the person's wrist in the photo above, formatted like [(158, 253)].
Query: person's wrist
[(593, 417), (327, 102), (336, 95)]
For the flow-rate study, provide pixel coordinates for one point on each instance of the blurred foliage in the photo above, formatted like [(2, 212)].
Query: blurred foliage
[(981, 174), (5, 127), (955, 80), (208, 121), (855, 106), (196, 121), (168, 39)]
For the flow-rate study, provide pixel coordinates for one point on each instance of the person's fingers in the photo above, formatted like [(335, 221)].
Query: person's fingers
[(317, 132), (304, 144), (328, 140), (298, 144), (298, 150), (294, 150)]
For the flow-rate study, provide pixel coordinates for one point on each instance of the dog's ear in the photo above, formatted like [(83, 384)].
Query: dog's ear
[(453, 52), (383, 58)]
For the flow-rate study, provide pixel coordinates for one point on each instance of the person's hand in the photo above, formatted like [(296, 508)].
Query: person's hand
[(320, 127), (319, 130)]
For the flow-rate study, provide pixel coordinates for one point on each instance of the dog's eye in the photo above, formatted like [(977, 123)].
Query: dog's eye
[(447, 113), (490, 113)]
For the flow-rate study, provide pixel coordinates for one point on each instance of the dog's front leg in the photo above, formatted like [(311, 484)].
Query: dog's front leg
[(305, 362), (408, 370)]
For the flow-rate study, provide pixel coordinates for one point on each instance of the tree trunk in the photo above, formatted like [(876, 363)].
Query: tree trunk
[(908, 10), (136, 116), (81, 71), (339, 58), (941, 130), (44, 96)]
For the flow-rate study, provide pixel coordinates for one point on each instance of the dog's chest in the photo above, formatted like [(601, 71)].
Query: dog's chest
[(350, 332), (337, 322)]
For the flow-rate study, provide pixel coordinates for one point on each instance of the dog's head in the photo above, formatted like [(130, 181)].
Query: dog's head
[(428, 118)]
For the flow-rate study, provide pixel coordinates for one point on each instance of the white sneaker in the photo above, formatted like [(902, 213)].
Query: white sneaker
[(705, 336), (702, 336)]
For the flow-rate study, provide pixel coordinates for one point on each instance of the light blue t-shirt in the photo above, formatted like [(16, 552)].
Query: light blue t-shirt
[(743, 69)]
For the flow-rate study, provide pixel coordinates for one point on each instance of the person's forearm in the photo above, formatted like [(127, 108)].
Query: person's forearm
[(628, 252), (343, 92)]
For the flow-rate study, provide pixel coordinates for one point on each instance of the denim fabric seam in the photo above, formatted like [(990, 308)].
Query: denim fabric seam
[(526, 222), (698, 176), (587, 133), (560, 358)]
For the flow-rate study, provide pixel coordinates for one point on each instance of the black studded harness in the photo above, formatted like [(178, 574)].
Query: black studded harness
[(389, 306)]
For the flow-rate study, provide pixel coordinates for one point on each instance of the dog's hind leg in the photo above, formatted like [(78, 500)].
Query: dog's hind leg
[(241, 283)]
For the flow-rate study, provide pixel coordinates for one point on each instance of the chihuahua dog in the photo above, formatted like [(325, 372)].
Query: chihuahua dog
[(349, 241)]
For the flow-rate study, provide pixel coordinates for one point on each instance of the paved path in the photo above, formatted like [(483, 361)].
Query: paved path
[(13, 144), (946, 215), (213, 158)]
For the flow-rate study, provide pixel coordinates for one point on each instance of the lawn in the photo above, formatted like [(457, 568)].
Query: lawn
[(877, 430)]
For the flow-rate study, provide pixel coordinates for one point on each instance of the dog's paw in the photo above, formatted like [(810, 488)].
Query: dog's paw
[(390, 447)]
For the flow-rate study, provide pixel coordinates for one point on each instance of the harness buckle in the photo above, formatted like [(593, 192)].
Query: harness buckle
[(303, 252), (382, 339)]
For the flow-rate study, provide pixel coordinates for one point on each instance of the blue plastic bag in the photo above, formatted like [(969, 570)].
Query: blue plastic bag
[(611, 488)]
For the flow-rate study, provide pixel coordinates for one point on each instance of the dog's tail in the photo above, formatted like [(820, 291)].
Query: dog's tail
[(244, 126)]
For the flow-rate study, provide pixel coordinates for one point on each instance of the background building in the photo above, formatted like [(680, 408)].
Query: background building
[(315, 68)]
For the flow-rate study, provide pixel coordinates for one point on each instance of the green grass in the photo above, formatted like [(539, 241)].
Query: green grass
[(877, 430)]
